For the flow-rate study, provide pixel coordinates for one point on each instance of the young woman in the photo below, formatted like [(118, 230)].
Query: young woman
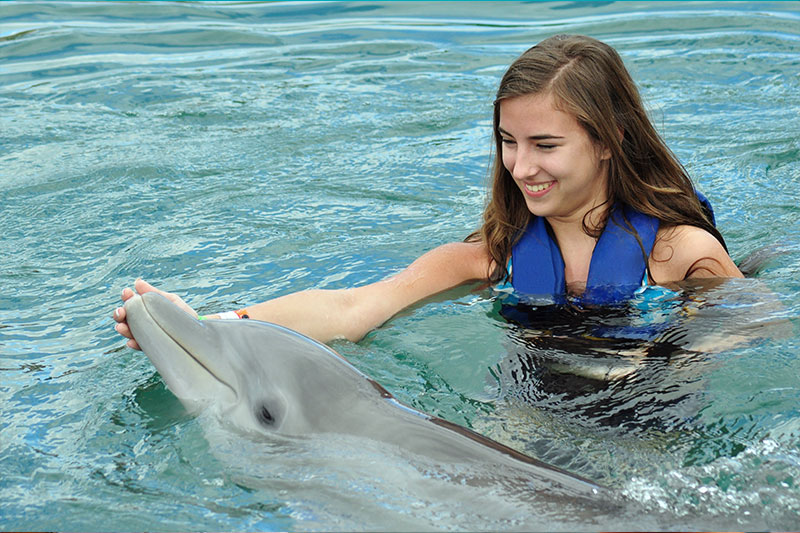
[(585, 196)]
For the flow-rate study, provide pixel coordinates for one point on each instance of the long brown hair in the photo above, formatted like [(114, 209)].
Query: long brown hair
[(588, 80)]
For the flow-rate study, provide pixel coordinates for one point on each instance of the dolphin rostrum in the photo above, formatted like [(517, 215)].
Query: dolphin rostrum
[(265, 378)]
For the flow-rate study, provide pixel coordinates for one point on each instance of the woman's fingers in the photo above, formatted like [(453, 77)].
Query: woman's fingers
[(123, 329), (141, 287), (127, 294)]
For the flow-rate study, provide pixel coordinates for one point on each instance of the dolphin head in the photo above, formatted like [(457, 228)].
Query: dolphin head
[(265, 379), (256, 375)]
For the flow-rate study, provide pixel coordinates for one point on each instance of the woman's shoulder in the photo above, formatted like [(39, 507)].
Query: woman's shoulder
[(684, 251)]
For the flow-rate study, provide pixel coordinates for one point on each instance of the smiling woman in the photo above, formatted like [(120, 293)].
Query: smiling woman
[(577, 157), (575, 139)]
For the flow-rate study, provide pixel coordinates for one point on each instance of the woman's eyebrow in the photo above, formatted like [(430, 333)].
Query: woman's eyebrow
[(538, 137)]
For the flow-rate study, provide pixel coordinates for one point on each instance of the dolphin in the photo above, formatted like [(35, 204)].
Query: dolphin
[(265, 378)]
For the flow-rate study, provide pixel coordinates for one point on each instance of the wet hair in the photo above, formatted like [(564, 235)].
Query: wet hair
[(588, 80)]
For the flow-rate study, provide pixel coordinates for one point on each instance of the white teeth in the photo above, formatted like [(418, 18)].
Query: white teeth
[(538, 188)]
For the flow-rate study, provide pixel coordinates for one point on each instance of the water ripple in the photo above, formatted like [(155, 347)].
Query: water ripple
[(237, 151)]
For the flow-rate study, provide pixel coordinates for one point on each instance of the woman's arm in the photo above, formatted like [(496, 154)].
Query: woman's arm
[(325, 315)]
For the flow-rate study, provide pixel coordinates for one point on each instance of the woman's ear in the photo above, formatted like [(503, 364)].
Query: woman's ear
[(605, 153)]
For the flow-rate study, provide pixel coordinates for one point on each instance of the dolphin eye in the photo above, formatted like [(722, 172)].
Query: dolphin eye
[(265, 417)]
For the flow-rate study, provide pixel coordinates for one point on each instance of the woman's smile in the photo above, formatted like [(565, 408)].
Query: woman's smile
[(537, 190)]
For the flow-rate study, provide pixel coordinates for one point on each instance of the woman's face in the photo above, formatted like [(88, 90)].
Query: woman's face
[(560, 172)]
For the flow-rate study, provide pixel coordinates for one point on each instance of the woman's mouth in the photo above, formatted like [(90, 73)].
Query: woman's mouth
[(538, 189)]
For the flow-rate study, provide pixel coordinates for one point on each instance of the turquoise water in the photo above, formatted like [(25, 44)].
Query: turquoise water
[(237, 152)]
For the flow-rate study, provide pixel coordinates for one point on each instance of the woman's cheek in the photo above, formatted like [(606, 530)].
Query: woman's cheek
[(508, 161)]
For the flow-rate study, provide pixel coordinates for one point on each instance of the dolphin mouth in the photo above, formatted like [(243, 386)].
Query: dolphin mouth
[(204, 366), (180, 342)]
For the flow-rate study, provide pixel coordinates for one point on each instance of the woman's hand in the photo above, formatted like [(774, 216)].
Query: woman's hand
[(142, 287)]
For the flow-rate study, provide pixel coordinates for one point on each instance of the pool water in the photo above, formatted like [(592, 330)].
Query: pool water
[(234, 152)]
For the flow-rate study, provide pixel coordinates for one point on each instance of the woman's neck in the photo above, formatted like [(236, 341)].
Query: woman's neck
[(575, 244)]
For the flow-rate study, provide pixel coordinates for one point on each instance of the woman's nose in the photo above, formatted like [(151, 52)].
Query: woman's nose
[(526, 165)]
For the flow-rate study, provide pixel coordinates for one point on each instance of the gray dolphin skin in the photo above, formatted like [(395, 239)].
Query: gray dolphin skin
[(265, 378)]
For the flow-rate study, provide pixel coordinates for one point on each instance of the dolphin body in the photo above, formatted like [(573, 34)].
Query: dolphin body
[(268, 379)]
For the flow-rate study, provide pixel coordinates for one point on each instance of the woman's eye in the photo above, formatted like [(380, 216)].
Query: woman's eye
[(508, 141), (546, 146)]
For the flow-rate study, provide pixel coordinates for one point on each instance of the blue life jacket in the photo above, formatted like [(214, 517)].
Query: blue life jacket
[(619, 261)]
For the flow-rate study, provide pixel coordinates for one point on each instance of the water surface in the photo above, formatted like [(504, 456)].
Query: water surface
[(236, 152)]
